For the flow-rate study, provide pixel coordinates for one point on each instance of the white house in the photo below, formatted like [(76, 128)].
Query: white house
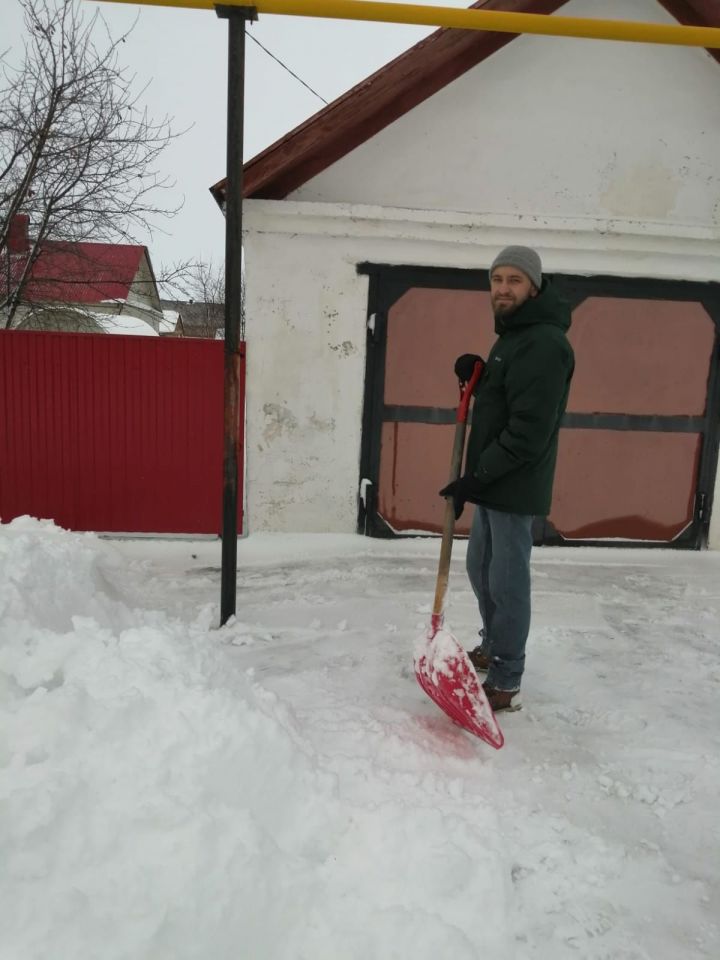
[(369, 230)]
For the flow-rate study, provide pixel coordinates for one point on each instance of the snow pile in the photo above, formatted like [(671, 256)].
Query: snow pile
[(282, 789), (148, 808), (158, 803)]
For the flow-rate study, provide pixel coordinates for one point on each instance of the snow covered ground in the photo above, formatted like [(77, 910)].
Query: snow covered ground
[(281, 789)]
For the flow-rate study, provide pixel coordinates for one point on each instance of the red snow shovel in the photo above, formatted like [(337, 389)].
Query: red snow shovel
[(442, 667)]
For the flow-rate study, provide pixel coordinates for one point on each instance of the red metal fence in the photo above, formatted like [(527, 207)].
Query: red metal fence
[(113, 433)]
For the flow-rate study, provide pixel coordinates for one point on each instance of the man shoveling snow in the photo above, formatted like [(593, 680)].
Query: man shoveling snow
[(510, 465)]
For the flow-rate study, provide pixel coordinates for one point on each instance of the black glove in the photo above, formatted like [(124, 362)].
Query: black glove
[(465, 365), (461, 490)]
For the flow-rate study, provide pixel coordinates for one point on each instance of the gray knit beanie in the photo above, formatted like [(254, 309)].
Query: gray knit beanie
[(524, 258)]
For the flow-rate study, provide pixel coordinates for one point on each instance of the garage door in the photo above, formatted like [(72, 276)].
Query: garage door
[(638, 447)]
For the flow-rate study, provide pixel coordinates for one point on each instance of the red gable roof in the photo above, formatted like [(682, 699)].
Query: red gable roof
[(80, 272), (395, 89)]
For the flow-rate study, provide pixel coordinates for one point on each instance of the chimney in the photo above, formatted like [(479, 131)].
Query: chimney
[(18, 234)]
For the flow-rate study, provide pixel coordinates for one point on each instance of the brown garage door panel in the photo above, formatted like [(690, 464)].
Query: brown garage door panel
[(641, 356), (414, 465), (635, 485), (427, 330)]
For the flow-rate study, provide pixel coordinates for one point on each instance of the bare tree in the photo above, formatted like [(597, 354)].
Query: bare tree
[(196, 289), (78, 152), (200, 281)]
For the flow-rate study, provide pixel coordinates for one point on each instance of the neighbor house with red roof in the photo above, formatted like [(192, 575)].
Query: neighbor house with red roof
[(368, 233), (78, 286)]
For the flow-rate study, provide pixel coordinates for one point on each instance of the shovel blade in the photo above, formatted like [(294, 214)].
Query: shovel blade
[(444, 672)]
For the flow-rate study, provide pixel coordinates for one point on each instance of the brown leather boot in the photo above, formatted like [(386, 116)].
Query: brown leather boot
[(479, 660), (499, 700)]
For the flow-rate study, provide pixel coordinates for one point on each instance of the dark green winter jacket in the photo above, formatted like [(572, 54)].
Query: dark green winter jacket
[(519, 403)]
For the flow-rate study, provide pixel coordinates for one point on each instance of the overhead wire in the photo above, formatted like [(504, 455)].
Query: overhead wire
[(286, 67)]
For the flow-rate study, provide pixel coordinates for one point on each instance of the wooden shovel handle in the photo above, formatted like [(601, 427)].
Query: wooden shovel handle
[(443, 574)]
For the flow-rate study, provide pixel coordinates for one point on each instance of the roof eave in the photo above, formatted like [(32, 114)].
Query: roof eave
[(396, 88), (373, 104)]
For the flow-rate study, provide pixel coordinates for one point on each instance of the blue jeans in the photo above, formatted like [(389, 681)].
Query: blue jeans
[(498, 566)]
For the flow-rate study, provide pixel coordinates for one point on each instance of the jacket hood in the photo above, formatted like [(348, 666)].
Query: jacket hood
[(546, 307)]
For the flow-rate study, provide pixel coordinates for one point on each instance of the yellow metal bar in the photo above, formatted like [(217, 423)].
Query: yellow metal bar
[(493, 20), (186, 4)]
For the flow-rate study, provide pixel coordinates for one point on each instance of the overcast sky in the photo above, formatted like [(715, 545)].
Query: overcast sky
[(182, 54)]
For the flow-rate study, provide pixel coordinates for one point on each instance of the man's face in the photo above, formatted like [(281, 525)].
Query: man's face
[(509, 289)]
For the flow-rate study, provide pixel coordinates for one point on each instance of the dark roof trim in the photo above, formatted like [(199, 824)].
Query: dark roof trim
[(394, 90)]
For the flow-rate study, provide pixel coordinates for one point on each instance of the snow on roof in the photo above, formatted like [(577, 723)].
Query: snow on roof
[(199, 318), (124, 324), (169, 321)]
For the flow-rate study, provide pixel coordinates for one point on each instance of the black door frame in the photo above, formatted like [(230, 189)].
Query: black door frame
[(387, 283)]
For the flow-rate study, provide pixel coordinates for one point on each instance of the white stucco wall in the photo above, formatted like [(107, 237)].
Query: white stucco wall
[(306, 327), (305, 368), (606, 157), (554, 127)]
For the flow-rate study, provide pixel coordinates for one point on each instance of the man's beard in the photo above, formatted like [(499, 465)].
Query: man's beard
[(504, 308)]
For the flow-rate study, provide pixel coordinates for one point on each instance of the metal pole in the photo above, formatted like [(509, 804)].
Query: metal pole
[(236, 17)]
